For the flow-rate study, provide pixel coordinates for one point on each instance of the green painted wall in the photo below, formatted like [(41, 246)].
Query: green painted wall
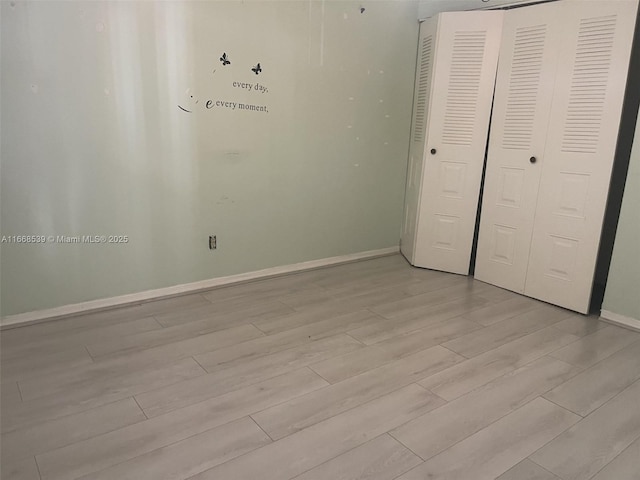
[(94, 141), (623, 285)]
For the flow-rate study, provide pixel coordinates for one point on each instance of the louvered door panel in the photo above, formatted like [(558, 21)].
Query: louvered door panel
[(522, 103), (463, 88), (459, 111), (589, 81), (423, 91), (583, 129), (527, 61), (422, 95)]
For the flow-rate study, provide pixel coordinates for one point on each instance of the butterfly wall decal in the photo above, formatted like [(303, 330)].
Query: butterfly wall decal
[(225, 60), (256, 69)]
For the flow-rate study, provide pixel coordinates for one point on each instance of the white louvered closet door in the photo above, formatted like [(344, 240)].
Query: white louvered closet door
[(579, 153), (459, 109), (422, 95), (519, 124)]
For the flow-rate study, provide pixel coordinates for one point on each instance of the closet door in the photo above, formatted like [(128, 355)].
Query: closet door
[(466, 56), (522, 102), (578, 159), (422, 96)]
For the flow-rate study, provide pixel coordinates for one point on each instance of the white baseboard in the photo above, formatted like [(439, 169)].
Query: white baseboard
[(621, 320), (38, 316)]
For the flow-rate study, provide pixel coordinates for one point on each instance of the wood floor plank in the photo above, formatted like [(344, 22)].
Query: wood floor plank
[(403, 275), (341, 304), (94, 394), (625, 466), (244, 311), (287, 339), (599, 383), (367, 299), (489, 292), (57, 433), (25, 469), (496, 312), (235, 295), (417, 319), (73, 339), (340, 368), (9, 393), (466, 288), (124, 365), (126, 443), (583, 450), (313, 446), (382, 458), (499, 333), (101, 381), (183, 349), (470, 374), (336, 369), (435, 281), (493, 293), (186, 315), (30, 366), (172, 304), (324, 312), (410, 342), (265, 295), (184, 331), (341, 275), (527, 470), (300, 413), (74, 324), (305, 299), (498, 447), (597, 346), (579, 325), (375, 282), (241, 374), (442, 428), (371, 283), (190, 456), (344, 276)]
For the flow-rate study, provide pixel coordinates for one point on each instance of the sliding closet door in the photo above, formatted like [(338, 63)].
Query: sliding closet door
[(524, 91), (583, 130), (463, 79), (421, 97)]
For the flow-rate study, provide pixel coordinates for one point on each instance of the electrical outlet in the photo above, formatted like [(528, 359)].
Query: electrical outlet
[(213, 242)]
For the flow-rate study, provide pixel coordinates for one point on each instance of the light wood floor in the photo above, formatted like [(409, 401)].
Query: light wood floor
[(372, 370)]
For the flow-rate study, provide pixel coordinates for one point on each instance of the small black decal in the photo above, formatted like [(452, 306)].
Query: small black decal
[(184, 109), (256, 69), (225, 60)]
